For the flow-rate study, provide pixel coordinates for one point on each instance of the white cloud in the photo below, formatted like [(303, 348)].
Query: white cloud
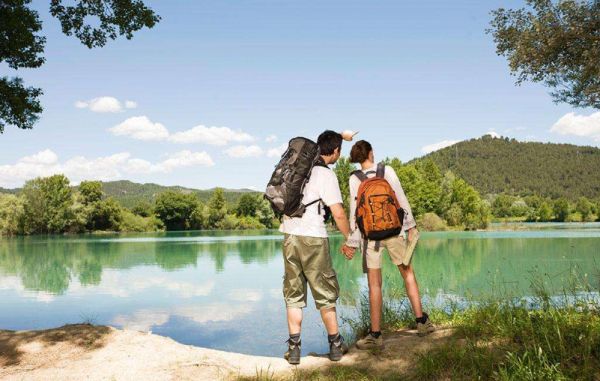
[(579, 125), (438, 146), (105, 168), (271, 139), (277, 151), (217, 136), (130, 104), (141, 320), (245, 295), (101, 104), (140, 128), (241, 151), (213, 312)]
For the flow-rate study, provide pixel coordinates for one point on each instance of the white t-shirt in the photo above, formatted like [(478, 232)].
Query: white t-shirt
[(323, 184)]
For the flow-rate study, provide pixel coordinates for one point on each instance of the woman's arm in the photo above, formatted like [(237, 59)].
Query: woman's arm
[(392, 178)]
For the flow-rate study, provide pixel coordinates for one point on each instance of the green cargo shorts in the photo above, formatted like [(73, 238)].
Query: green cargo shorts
[(307, 259)]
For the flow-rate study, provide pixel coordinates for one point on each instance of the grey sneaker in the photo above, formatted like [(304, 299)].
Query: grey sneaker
[(293, 353), (370, 342), (424, 329), (337, 349)]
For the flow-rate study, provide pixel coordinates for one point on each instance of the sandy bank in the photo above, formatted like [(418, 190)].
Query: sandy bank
[(86, 352)]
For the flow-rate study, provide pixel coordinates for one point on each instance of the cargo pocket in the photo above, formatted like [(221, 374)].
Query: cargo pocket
[(331, 287)]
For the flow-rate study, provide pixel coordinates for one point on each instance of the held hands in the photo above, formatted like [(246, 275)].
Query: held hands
[(348, 251)]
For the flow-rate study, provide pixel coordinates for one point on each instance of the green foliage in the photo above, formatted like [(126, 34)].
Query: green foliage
[(115, 17), (48, 205), (561, 209), (343, 170), (129, 194), (22, 46), (90, 191), (175, 209), (584, 208), (217, 210), (131, 222), (502, 165), (501, 207), (143, 209), (248, 205), (555, 43), (11, 214), (104, 215), (431, 222)]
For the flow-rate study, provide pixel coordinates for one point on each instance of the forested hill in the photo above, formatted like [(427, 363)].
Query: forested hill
[(495, 165), (129, 194)]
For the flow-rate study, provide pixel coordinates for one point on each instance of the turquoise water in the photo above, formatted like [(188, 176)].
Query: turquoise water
[(223, 289)]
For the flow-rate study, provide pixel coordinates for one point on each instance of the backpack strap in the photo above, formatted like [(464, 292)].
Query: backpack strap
[(380, 170), (360, 174)]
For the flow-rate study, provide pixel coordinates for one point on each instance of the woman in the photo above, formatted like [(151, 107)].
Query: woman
[(362, 153)]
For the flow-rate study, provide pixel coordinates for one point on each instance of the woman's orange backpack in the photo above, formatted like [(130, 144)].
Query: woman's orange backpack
[(378, 212)]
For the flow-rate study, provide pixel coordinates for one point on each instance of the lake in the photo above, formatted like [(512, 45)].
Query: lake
[(223, 289)]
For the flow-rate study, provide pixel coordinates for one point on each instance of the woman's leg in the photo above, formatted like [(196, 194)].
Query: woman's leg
[(412, 289), (375, 298)]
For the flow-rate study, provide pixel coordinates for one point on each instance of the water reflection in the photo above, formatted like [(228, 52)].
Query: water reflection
[(216, 289)]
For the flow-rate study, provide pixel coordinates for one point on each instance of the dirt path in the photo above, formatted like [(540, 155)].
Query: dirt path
[(86, 352)]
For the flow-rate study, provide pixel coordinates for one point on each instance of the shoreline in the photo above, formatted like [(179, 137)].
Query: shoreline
[(84, 351)]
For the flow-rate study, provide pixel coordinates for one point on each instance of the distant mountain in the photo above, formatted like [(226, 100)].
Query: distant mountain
[(128, 193), (494, 165)]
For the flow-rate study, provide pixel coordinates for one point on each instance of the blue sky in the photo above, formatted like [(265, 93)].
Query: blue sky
[(405, 74)]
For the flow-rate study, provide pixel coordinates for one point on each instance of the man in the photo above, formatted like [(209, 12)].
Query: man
[(306, 252), (399, 249)]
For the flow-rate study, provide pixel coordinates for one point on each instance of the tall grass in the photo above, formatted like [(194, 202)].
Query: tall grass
[(541, 337)]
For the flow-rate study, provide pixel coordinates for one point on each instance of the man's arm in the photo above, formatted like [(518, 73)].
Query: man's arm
[(339, 215)]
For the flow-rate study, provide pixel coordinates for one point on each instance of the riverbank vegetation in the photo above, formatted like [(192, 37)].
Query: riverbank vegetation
[(50, 205)]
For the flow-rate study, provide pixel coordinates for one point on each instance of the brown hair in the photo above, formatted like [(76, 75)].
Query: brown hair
[(360, 151)]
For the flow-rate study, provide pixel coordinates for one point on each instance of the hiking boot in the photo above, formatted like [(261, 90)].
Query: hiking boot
[(424, 326), (293, 353), (337, 349), (370, 342)]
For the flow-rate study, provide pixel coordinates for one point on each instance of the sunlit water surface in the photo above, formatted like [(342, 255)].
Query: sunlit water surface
[(223, 289)]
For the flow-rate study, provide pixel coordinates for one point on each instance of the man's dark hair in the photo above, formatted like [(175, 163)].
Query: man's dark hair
[(360, 151), (328, 141)]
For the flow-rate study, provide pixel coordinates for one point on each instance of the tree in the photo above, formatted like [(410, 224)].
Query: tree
[(501, 206), (555, 43), (584, 207), (48, 205), (143, 209), (90, 191), (343, 170), (217, 209), (105, 215), (93, 22), (544, 212), (247, 205), (175, 209), (11, 214), (561, 209)]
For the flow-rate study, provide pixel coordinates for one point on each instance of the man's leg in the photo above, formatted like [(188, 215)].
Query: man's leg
[(294, 319), (412, 289), (329, 317), (375, 298)]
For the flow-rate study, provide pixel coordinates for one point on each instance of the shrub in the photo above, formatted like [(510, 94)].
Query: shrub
[(431, 222)]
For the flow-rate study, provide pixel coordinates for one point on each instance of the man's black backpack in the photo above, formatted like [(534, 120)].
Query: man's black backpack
[(286, 187)]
